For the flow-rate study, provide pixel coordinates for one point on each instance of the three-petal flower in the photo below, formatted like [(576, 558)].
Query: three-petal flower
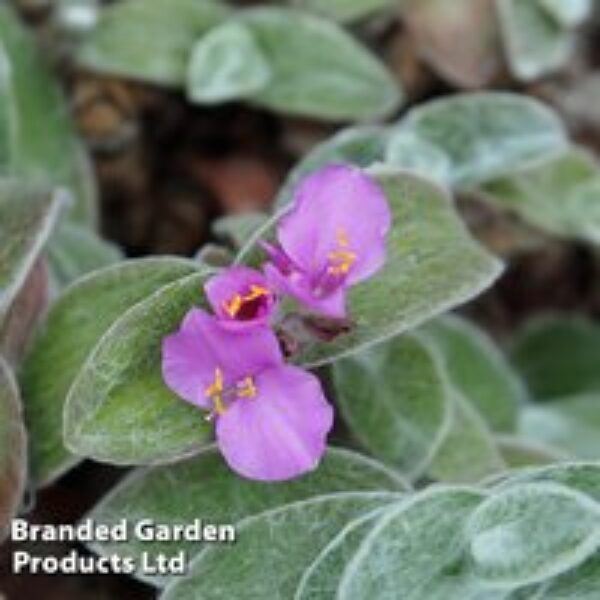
[(241, 297), (333, 237), (272, 419)]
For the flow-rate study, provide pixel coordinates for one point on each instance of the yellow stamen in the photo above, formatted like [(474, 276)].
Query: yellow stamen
[(215, 392), (256, 291), (247, 389), (233, 306), (341, 261)]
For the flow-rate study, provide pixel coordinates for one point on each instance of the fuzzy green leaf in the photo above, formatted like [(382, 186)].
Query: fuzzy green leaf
[(235, 230), (559, 196), (7, 108), (410, 401), (568, 14), (415, 551), (361, 146), (407, 151), (27, 217), (530, 532), (118, 409), (579, 476), (318, 69), (468, 452), (43, 144), (13, 448), (321, 580), (287, 539), (393, 397), (74, 251), (535, 43), (75, 325), (20, 322), (479, 371), (214, 256), (226, 64), (205, 487), (571, 425), (432, 265), (149, 40), (581, 583), (487, 134)]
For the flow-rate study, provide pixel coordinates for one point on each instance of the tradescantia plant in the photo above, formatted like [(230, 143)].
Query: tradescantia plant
[(455, 470), (378, 539), (216, 54), (99, 409), (232, 363), (39, 145), (282, 57), (440, 402), (47, 219)]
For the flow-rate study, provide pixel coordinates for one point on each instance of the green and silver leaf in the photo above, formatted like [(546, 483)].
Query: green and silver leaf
[(558, 196), (530, 532), (479, 370), (205, 487), (488, 134), (287, 539), (75, 251), (42, 143), (28, 215), (394, 398), (227, 64), (149, 40), (75, 325), (118, 409), (536, 43), (415, 551), (318, 69)]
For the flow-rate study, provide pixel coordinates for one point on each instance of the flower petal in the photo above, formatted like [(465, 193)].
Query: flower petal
[(191, 356), (240, 297), (337, 208), (297, 285), (281, 432)]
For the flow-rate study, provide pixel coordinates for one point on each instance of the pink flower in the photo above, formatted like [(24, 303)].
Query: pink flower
[(272, 419), (333, 237), (241, 297)]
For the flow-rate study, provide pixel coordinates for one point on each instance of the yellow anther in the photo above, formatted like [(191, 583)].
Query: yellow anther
[(232, 307), (246, 388), (341, 261), (216, 387), (215, 392)]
